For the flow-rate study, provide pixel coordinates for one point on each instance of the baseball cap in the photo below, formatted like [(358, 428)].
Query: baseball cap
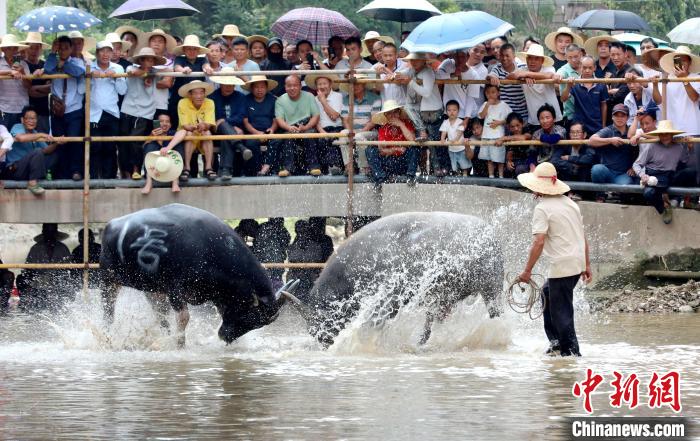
[(620, 108)]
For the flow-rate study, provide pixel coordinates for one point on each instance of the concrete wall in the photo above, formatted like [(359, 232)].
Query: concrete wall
[(615, 231)]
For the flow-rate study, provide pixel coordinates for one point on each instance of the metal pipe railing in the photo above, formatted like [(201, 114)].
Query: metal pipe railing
[(86, 266)]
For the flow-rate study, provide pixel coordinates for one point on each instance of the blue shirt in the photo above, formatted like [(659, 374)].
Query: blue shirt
[(260, 115), (22, 149), (248, 66), (75, 86), (230, 108), (587, 105), (104, 96), (617, 159)]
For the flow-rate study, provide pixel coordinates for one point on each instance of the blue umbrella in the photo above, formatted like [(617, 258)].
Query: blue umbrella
[(52, 19), (460, 30)]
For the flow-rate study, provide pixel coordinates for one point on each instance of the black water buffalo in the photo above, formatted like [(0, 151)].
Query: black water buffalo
[(440, 257), (188, 256)]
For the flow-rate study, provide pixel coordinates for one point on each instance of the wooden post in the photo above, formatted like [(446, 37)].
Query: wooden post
[(86, 185), (351, 153), (664, 99)]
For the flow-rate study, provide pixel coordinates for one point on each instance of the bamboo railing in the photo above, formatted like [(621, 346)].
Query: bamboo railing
[(349, 77)]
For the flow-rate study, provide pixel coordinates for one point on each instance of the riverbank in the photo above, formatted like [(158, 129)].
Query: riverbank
[(663, 299)]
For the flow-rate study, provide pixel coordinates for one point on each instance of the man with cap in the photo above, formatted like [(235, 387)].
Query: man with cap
[(119, 49), (82, 46), (230, 111), (258, 48), (228, 34), (615, 153), (187, 60), (539, 67), (40, 89), (557, 227), (106, 86), (132, 35), (197, 115), (163, 45), (71, 92), (599, 48), (14, 93), (296, 112), (656, 166), (259, 118), (558, 41), (138, 110), (275, 61), (45, 289)]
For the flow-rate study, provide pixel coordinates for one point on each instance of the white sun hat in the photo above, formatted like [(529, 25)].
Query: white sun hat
[(164, 168)]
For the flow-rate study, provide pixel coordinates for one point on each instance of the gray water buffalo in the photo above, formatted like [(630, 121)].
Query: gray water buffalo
[(440, 257), (188, 256)]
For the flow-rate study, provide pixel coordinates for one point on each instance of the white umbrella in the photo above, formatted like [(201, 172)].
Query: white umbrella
[(403, 11), (634, 40), (686, 32)]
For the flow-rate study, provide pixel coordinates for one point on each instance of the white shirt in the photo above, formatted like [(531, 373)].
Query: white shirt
[(456, 92), (335, 101), (499, 112), (427, 92), (684, 113), (475, 92), (7, 141), (396, 92), (559, 218), (539, 94), (455, 132), (104, 94), (162, 96), (631, 104), (345, 64)]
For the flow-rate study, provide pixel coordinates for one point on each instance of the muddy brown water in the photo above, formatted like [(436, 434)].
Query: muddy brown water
[(71, 377)]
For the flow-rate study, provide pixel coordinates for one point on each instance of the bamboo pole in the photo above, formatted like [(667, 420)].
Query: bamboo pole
[(351, 156), (86, 183), (664, 95), (515, 143)]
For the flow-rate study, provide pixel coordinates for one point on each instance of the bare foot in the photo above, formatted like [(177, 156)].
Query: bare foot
[(175, 188), (264, 170), (146, 189)]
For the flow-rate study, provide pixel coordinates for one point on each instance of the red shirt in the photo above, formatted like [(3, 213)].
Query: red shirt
[(389, 132)]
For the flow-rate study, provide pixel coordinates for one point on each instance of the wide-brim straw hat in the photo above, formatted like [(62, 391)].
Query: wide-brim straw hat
[(121, 30), (260, 38), (536, 50), (550, 39), (652, 57), (665, 127), (90, 43), (345, 87), (591, 45), (10, 40), (666, 61), (227, 80), (271, 84), (543, 180), (230, 30), (418, 56), (170, 43), (379, 118), (148, 52), (113, 38), (310, 79), (190, 41), (184, 90), (35, 38), (164, 168), (373, 35), (60, 235)]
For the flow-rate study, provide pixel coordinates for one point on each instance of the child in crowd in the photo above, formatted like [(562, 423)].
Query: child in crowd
[(452, 131), (519, 159), (475, 128), (641, 97), (165, 129), (494, 113)]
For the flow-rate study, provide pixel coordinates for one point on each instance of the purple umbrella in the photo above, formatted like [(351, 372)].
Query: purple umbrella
[(314, 24), (153, 10)]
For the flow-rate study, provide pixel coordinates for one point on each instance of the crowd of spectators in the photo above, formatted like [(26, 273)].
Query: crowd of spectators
[(611, 120)]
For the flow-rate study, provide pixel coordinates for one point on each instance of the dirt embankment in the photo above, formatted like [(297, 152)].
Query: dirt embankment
[(664, 299)]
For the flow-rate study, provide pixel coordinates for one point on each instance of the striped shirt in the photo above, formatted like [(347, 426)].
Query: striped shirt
[(13, 95), (371, 103), (512, 94)]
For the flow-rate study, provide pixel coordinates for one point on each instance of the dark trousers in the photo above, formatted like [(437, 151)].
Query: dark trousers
[(439, 156), (307, 149), (10, 119), (103, 155), (568, 171), (231, 157), (330, 154), (383, 166), (654, 195), (558, 313), (70, 155), (31, 167), (131, 153), (153, 146)]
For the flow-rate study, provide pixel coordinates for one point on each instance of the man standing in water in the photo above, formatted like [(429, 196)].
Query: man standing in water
[(557, 227)]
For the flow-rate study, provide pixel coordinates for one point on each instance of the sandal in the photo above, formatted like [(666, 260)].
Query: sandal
[(210, 174), (185, 176)]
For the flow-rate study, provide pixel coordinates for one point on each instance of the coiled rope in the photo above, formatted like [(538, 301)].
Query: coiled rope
[(524, 297)]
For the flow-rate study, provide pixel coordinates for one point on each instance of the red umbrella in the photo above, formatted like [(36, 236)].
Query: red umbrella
[(314, 24)]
